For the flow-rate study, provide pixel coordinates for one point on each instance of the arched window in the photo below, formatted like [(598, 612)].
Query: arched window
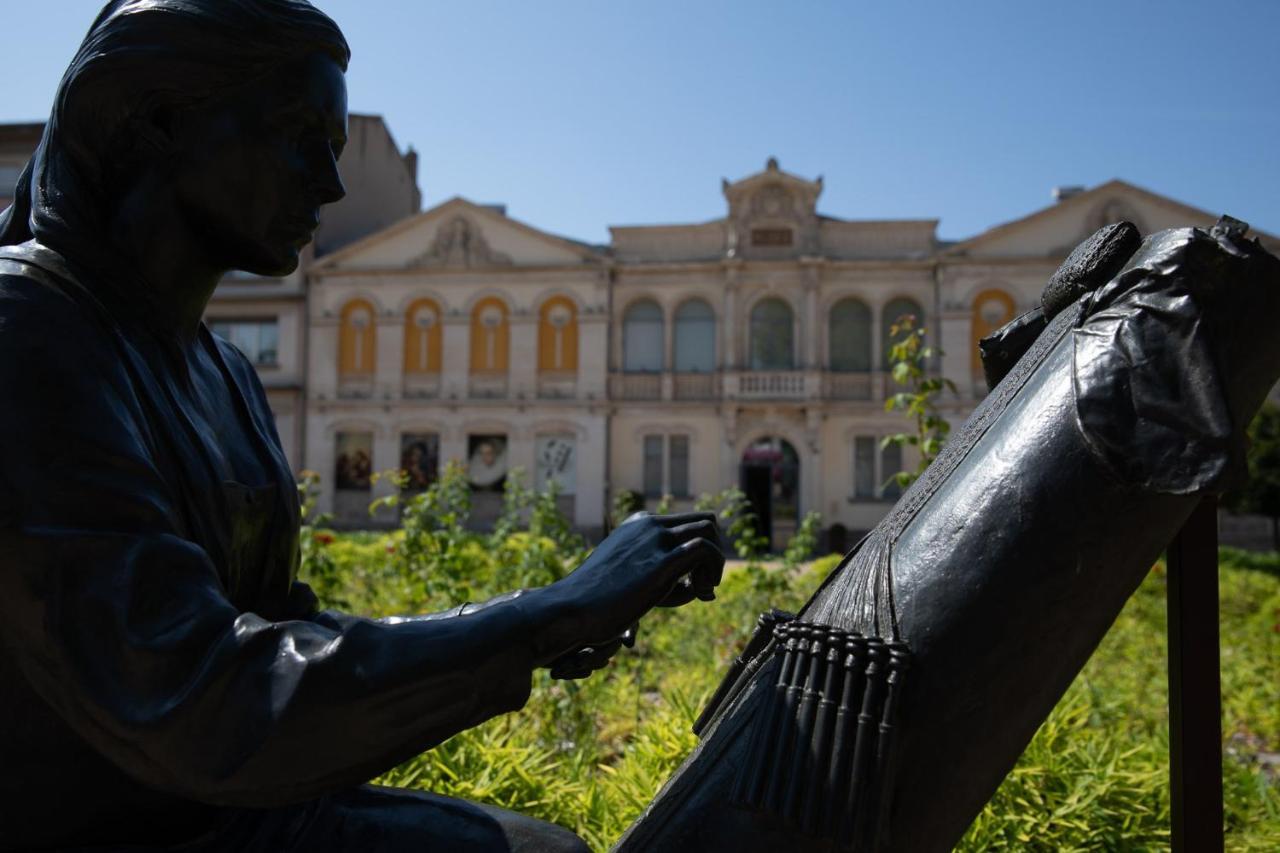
[(423, 337), (991, 310), (892, 313), (357, 339), (490, 336), (642, 338), (558, 336), (849, 336), (695, 338), (772, 338)]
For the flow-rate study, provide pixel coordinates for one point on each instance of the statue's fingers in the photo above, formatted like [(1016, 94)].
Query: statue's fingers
[(681, 594), (708, 571), (699, 565), (640, 515), (629, 637), (584, 661), (681, 518), (701, 529)]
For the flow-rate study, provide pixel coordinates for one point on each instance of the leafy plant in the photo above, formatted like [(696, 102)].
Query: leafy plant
[(910, 357), (591, 755), (1261, 494), (803, 542), (625, 503), (738, 522)]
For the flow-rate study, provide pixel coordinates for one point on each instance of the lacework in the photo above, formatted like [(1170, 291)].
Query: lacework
[(858, 595)]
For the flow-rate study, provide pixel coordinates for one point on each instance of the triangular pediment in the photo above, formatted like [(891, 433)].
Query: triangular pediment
[(459, 235), (1055, 230)]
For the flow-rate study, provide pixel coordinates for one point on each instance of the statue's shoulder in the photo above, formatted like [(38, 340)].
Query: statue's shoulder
[(38, 298)]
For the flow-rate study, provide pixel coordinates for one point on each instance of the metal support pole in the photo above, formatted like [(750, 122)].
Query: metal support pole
[(1195, 689)]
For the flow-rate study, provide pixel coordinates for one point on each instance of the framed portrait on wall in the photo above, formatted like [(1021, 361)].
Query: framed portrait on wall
[(353, 461), (419, 459), (487, 462), (556, 460)]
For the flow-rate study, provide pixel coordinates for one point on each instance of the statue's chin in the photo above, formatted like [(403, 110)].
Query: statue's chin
[(284, 263)]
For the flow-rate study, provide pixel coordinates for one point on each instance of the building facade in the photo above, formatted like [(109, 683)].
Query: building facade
[(748, 351), (677, 360)]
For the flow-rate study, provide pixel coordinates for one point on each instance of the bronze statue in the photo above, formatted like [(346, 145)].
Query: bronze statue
[(164, 681), (885, 714)]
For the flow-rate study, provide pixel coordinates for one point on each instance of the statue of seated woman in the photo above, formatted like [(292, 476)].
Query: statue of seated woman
[(165, 683)]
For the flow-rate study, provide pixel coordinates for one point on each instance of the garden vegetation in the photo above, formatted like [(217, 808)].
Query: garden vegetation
[(591, 754)]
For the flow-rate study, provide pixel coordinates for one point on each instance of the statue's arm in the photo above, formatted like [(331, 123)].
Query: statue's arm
[(124, 629)]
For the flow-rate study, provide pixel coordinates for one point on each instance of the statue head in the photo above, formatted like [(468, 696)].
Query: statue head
[(234, 109)]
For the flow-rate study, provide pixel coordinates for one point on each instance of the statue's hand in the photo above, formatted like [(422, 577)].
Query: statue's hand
[(649, 561), (584, 661)]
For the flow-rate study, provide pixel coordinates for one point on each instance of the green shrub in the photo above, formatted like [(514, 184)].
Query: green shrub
[(591, 755)]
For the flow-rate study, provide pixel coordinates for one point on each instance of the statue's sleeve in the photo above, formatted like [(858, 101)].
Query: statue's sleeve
[(122, 626)]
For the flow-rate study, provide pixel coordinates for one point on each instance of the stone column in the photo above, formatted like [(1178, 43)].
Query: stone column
[(589, 500), (386, 457), (593, 343), (456, 356), (956, 339), (389, 374), (729, 318), (322, 381), (523, 369), (809, 334)]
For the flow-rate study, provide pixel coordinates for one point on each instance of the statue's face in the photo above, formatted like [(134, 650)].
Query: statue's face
[(252, 168)]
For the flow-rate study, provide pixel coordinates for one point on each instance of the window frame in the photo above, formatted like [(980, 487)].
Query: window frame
[(882, 491), (260, 323), (665, 465)]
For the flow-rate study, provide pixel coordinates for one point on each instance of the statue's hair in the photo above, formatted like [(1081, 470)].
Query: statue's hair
[(139, 56)]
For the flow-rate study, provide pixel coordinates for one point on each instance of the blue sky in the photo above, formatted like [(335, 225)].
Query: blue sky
[(579, 114)]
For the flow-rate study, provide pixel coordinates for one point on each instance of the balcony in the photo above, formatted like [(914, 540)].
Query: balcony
[(487, 386), (854, 386), (696, 386), (422, 386), (355, 386), (768, 385), (636, 386), (750, 385), (557, 385)]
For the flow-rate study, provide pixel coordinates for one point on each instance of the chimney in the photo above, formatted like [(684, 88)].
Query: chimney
[(1064, 193), (411, 162)]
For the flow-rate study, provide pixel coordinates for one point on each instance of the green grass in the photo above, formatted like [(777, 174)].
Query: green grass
[(590, 755)]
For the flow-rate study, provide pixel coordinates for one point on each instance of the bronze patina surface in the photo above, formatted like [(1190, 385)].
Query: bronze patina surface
[(165, 683)]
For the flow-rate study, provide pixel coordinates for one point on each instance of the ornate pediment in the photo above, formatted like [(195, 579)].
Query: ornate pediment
[(772, 214), (460, 244)]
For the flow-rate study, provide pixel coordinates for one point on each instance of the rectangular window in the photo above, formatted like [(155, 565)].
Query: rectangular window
[(771, 236), (864, 468), (890, 464), (653, 466), (678, 465), (353, 461), (259, 340)]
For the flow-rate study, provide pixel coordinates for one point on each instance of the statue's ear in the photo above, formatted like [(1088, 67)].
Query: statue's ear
[(1149, 397)]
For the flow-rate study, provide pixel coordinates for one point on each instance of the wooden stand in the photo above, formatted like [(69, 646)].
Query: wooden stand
[(1195, 689)]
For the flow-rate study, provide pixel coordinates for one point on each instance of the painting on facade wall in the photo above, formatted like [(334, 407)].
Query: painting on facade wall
[(353, 465), (556, 461), (487, 462), (419, 460)]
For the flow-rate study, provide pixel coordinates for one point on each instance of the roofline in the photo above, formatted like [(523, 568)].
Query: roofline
[(328, 261), (821, 217), (961, 246)]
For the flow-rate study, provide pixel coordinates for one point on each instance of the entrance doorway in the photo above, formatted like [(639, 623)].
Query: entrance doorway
[(770, 477)]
